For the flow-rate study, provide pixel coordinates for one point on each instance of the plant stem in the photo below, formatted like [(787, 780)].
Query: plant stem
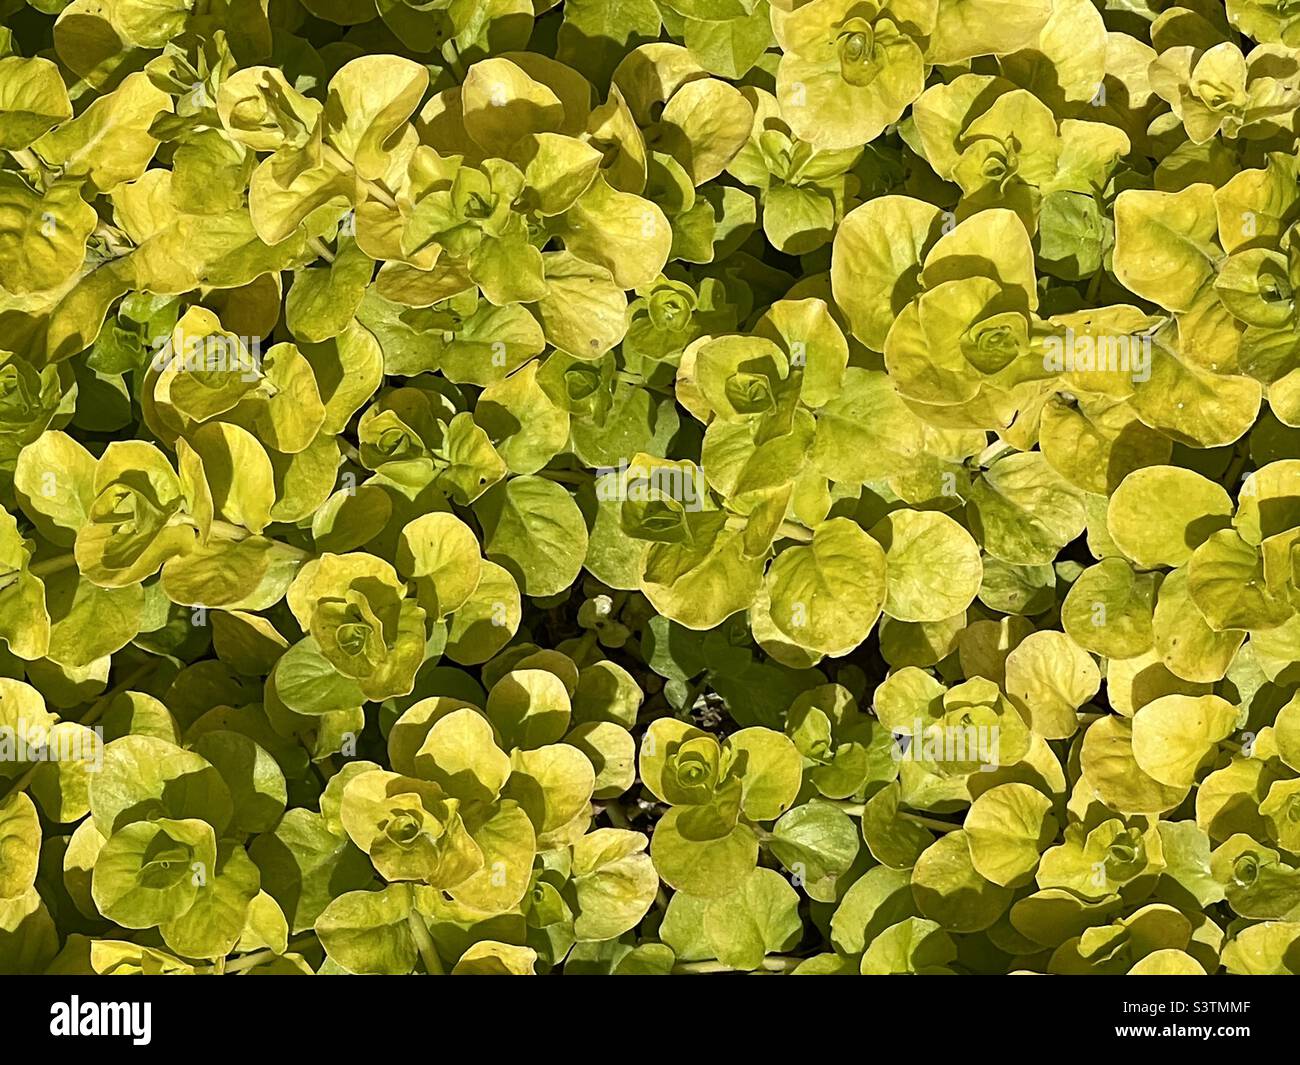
[(92, 715), (856, 809), (693, 693), (565, 476), (586, 644), (1094, 284), (224, 529), (452, 54), (930, 822), (26, 158), (424, 944), (616, 814), (248, 961), (1232, 476), (102, 703), (773, 963), (992, 453), (376, 190), (321, 249), (794, 531), (49, 566), (252, 961), (22, 782)]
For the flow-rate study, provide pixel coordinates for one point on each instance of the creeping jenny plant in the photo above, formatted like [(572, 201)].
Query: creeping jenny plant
[(649, 486)]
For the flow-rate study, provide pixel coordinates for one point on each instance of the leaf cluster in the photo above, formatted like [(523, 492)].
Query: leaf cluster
[(649, 486)]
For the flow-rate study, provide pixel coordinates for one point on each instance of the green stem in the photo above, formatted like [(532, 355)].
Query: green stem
[(1094, 284), (223, 529), (376, 190), (26, 158), (1232, 476), (242, 965), (694, 692), (102, 703), (48, 566), (930, 822), (585, 646), (452, 54), (565, 476), (21, 783), (993, 452), (424, 944), (794, 531), (229, 530), (91, 716), (856, 809), (252, 961), (321, 249), (773, 963)]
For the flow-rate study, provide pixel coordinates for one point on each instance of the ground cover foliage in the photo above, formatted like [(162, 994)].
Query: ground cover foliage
[(649, 486)]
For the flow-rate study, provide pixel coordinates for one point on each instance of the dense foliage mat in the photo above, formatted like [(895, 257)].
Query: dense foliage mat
[(649, 486)]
